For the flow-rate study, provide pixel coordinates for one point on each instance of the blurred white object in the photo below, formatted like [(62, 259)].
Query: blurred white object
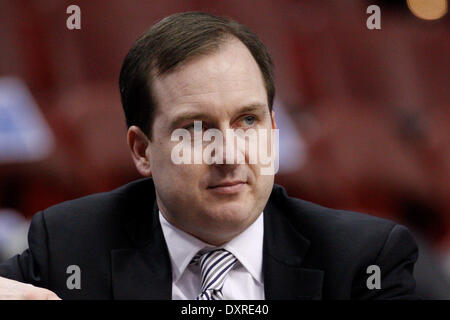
[(24, 133), (291, 146), (13, 233)]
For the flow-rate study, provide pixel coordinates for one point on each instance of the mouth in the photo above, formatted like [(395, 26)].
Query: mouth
[(228, 187)]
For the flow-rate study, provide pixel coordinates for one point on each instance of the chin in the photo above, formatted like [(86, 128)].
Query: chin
[(230, 215)]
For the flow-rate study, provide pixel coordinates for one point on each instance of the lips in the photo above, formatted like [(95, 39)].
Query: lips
[(228, 187), (226, 184)]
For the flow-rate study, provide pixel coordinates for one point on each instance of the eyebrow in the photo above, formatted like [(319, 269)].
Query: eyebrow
[(191, 115), (252, 107)]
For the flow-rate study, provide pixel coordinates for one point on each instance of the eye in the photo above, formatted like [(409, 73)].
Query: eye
[(249, 120), (192, 126)]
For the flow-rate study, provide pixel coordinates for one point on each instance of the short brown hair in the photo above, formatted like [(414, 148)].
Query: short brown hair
[(168, 44)]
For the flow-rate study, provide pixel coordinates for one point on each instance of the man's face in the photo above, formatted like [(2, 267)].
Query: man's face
[(224, 90)]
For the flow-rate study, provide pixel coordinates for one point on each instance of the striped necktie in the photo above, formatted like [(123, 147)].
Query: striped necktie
[(214, 266)]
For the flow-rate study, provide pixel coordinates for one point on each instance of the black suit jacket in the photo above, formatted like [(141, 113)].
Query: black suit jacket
[(309, 251)]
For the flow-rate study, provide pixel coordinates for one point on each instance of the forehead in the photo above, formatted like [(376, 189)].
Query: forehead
[(217, 83)]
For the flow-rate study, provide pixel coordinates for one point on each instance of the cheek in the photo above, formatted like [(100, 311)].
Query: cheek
[(176, 174), (253, 175), (162, 158), (263, 190)]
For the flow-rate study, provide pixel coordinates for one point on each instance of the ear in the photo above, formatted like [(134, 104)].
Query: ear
[(274, 123), (140, 151)]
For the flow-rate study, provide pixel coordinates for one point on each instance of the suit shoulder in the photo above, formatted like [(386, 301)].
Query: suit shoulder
[(327, 224), (96, 206)]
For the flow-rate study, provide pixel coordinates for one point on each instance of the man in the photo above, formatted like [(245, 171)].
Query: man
[(219, 230)]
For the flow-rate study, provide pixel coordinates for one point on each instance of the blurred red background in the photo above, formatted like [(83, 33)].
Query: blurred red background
[(371, 106)]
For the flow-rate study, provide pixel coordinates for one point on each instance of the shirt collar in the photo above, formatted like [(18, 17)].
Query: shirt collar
[(247, 247)]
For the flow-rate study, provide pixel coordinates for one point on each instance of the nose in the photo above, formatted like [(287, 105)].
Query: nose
[(234, 150), (227, 150)]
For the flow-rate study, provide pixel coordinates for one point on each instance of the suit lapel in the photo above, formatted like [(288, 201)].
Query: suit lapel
[(143, 271), (284, 250)]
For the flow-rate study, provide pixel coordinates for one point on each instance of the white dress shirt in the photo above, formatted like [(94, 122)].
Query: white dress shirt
[(244, 280)]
